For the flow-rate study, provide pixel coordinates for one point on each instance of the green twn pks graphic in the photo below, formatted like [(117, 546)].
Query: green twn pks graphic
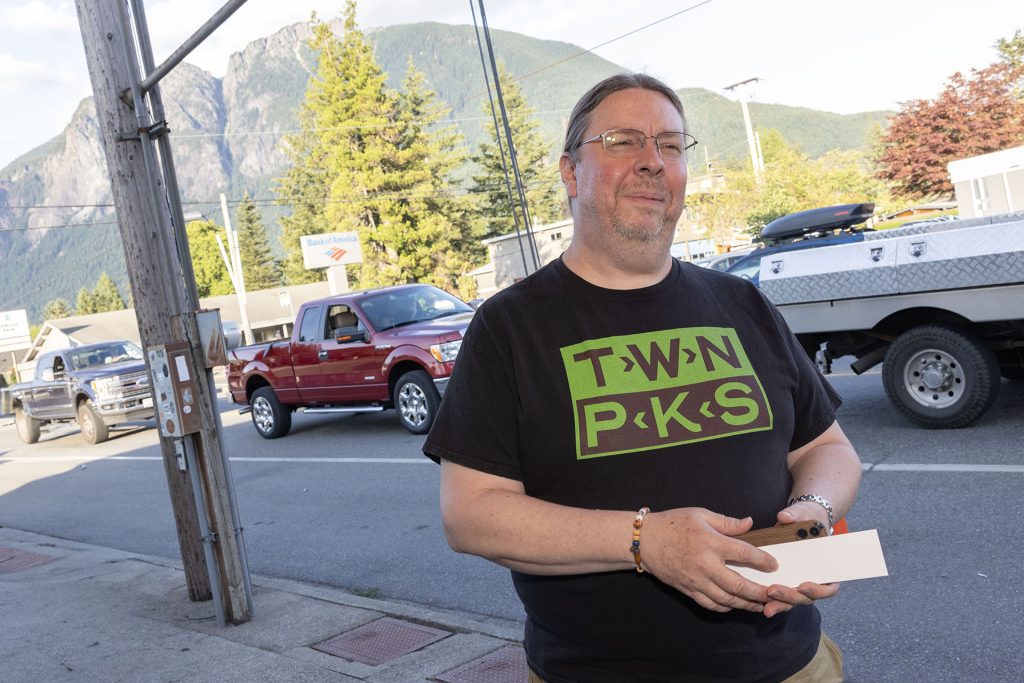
[(642, 391)]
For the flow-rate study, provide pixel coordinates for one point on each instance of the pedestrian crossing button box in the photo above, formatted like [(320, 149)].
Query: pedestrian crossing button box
[(174, 389)]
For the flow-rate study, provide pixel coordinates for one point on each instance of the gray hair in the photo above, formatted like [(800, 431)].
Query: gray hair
[(580, 117)]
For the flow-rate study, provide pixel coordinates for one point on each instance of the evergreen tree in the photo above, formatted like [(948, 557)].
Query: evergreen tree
[(106, 296), (259, 267), (419, 233), (539, 172), (58, 308), (365, 162), (336, 159), (212, 277), (85, 302)]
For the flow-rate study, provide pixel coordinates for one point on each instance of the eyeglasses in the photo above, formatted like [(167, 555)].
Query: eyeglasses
[(627, 142)]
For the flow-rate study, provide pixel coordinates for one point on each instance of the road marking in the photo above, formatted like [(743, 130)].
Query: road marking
[(867, 466), (953, 467)]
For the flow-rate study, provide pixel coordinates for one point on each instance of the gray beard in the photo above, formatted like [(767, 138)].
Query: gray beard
[(639, 233)]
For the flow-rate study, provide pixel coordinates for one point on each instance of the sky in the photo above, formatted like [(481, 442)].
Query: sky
[(836, 56)]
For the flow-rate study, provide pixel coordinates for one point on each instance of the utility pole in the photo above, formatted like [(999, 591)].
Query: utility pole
[(130, 116), (233, 262), (755, 157)]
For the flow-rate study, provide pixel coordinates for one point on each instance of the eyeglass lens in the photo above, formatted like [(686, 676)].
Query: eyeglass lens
[(627, 142)]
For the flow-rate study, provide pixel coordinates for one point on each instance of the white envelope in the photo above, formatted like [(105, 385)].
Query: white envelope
[(843, 557)]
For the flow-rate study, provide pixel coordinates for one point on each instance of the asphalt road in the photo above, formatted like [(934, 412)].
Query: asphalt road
[(349, 501)]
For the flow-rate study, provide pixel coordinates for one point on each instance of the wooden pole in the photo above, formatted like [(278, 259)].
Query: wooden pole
[(154, 259), (148, 271)]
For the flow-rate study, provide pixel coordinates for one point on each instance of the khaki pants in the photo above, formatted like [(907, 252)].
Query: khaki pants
[(825, 667)]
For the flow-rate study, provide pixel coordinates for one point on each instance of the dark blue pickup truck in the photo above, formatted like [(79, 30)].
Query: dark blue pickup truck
[(97, 385)]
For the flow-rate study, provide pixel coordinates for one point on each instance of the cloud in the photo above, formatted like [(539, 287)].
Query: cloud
[(39, 17), (18, 75)]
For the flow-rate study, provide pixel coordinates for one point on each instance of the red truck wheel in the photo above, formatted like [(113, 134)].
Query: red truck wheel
[(270, 417), (416, 400)]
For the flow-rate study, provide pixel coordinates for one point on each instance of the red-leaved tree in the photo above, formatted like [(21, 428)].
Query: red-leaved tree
[(976, 115)]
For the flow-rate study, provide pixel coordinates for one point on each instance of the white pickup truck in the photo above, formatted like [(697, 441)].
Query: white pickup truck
[(940, 302)]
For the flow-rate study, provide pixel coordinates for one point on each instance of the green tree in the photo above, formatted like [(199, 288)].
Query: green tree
[(419, 233), (791, 182), (1011, 50), (336, 157), (212, 277), (58, 308), (259, 267), (106, 296), (539, 171), (367, 162), (85, 302)]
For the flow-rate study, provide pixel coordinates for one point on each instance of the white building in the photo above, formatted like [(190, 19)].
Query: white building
[(990, 183)]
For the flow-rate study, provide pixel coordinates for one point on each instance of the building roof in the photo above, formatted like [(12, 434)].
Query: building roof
[(266, 308), (535, 229)]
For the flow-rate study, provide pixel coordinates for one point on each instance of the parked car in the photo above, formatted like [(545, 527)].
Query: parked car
[(97, 385), (814, 228), (721, 262), (392, 347)]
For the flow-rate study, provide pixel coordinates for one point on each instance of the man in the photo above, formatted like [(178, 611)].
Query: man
[(616, 379)]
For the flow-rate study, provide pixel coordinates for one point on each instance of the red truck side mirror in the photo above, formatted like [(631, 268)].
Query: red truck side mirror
[(347, 335)]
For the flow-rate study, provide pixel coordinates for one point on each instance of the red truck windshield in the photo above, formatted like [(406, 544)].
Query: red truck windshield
[(411, 305)]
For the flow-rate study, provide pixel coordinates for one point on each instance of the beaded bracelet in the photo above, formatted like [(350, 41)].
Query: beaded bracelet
[(634, 547)]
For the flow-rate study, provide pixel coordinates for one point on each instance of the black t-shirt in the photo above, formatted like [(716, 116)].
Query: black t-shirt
[(688, 393)]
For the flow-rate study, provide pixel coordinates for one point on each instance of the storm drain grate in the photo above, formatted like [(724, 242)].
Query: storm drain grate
[(14, 560), (381, 641), (507, 665)]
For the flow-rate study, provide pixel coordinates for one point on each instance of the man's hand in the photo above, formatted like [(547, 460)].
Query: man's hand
[(783, 598), (687, 548)]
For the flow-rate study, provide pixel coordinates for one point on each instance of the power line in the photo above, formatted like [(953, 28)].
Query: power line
[(293, 201), (612, 40), (65, 225), (369, 125)]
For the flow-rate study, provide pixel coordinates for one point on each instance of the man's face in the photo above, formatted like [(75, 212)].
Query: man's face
[(624, 202)]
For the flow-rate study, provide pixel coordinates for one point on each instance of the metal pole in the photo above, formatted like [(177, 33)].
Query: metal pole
[(192, 43), (167, 160), (236, 259), (501, 147), (204, 528), (232, 501), (751, 144), (508, 138), (142, 116)]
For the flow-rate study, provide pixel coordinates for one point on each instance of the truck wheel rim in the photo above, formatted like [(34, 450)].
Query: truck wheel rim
[(88, 428), (934, 378), (263, 414), (412, 403)]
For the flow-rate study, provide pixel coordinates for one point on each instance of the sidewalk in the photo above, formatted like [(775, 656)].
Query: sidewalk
[(76, 612)]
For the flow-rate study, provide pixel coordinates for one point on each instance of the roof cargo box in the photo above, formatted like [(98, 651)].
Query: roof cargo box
[(828, 218)]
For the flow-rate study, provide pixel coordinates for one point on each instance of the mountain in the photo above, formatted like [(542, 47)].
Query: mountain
[(227, 134)]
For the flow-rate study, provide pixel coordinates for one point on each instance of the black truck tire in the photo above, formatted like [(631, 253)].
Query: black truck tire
[(28, 427), (940, 377), (416, 401), (94, 429), (271, 418)]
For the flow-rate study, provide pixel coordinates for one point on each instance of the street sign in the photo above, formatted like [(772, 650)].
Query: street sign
[(14, 330), (331, 249)]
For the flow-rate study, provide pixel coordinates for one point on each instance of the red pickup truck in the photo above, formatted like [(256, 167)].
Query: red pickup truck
[(392, 347)]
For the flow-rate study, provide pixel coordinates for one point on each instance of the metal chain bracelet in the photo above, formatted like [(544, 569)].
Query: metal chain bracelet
[(820, 500)]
